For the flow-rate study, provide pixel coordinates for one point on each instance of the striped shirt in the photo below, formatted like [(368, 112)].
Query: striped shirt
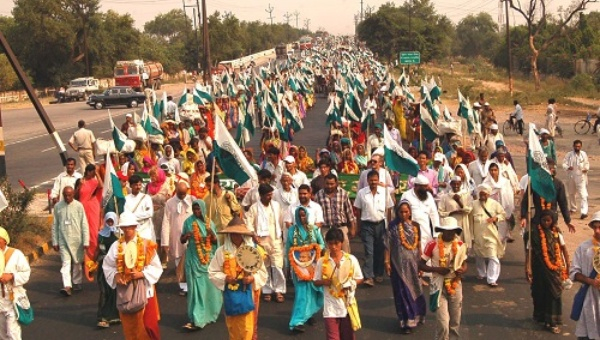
[(337, 209)]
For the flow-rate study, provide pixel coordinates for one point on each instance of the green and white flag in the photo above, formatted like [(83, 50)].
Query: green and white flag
[(150, 123), (396, 158), (119, 138), (538, 169), (429, 129), (183, 98), (203, 94), (231, 159), (113, 198)]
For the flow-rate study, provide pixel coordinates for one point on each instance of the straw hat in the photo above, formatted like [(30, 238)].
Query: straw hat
[(236, 226)]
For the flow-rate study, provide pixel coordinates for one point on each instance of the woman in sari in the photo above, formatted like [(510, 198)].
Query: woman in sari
[(304, 244), (361, 157), (400, 120), (169, 158), (199, 188), (467, 183), (402, 256), (293, 151), (347, 165), (191, 157), (305, 163), (159, 192), (147, 164), (140, 152), (548, 271), (90, 195), (502, 192), (204, 300), (107, 301)]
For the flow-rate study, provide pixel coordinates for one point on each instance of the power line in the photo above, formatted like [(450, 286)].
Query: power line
[(287, 17)]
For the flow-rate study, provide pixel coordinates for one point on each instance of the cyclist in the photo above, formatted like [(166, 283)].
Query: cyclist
[(597, 122), (518, 115)]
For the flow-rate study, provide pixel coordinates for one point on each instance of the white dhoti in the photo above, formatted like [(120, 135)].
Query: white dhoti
[(71, 271)]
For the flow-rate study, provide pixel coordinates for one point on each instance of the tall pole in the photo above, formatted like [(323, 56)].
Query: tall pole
[(510, 79), (362, 11), (195, 9), (207, 62), (410, 38), (2, 150), (287, 17), (12, 59), (270, 11), (296, 14)]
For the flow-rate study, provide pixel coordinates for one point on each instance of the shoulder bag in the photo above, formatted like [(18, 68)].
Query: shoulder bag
[(132, 297)]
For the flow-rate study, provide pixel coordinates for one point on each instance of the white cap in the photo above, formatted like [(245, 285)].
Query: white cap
[(128, 219), (438, 157), (129, 115), (455, 179), (476, 104), (595, 217), (542, 131), (485, 188), (449, 223), (289, 159), (324, 150), (421, 180), (486, 104), (494, 127)]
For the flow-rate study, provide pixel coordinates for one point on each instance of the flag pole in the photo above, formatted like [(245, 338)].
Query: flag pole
[(529, 204), (212, 178)]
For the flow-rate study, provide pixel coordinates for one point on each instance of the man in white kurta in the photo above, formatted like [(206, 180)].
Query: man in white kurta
[(15, 275), (458, 204), (141, 206), (577, 165), (265, 220), (177, 209), (70, 237), (65, 179), (424, 209), (479, 167)]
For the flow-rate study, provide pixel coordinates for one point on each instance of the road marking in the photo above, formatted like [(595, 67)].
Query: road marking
[(61, 130), (106, 131)]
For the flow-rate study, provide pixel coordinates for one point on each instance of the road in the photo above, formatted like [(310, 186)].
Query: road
[(500, 313)]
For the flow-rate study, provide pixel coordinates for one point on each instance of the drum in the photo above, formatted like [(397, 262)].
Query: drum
[(248, 258)]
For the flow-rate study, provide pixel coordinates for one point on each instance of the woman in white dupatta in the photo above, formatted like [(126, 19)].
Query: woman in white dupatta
[(502, 192)]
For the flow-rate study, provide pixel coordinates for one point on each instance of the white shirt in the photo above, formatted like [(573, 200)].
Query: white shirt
[(384, 177), (373, 207), (143, 212), (336, 307), (374, 142), (299, 178), (315, 213), (285, 198), (63, 180), (423, 212), (370, 105), (276, 170), (579, 162), (518, 112)]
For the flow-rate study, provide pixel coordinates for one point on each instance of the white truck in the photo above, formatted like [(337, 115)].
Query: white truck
[(81, 88)]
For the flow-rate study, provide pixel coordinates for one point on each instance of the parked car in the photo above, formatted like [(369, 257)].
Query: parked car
[(81, 88), (118, 95)]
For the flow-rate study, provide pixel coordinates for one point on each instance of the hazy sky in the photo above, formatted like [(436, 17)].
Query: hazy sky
[(336, 16)]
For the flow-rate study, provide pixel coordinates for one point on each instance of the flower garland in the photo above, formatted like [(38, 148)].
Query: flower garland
[(202, 248), (335, 289), (308, 273), (141, 256), (449, 284), (403, 240), (232, 268), (558, 266)]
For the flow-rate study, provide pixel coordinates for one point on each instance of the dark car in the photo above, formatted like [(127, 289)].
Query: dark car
[(118, 95)]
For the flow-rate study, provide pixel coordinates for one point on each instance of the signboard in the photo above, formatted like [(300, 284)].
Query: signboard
[(410, 57)]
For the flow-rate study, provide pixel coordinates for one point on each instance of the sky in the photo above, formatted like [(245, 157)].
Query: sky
[(335, 16)]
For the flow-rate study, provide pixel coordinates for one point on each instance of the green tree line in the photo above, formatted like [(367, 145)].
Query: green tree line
[(58, 40)]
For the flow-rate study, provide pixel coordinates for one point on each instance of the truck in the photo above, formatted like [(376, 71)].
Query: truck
[(138, 74), (81, 88)]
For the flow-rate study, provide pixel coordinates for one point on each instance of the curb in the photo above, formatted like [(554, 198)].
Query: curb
[(39, 252)]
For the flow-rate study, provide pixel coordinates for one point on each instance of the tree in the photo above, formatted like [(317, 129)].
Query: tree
[(171, 25), (9, 80), (83, 11), (537, 20), (477, 35)]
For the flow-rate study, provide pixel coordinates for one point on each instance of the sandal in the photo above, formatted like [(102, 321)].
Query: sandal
[(267, 298), (279, 297), (553, 329), (190, 327), (102, 324)]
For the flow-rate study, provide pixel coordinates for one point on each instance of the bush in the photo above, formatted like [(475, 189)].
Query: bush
[(582, 82), (15, 218)]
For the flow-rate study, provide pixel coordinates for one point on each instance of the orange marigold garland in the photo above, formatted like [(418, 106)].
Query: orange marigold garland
[(558, 266), (141, 256), (232, 268), (449, 284), (203, 245), (403, 240)]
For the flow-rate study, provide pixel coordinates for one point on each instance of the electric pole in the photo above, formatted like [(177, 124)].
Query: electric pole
[(296, 14), (195, 8), (356, 16), (207, 62), (307, 24), (287, 17), (362, 11), (510, 79), (270, 11)]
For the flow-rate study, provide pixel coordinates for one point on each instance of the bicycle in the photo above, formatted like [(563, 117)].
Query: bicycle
[(510, 126), (583, 126)]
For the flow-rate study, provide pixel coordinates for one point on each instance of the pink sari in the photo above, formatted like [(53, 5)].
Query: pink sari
[(90, 196)]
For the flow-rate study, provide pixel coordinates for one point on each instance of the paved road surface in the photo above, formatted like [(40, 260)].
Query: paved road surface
[(501, 313)]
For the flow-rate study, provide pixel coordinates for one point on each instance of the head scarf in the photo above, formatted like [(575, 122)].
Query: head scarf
[(202, 206), (154, 187), (151, 163), (167, 154), (105, 232), (4, 235)]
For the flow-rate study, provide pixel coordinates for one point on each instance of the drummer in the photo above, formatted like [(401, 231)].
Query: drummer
[(239, 287)]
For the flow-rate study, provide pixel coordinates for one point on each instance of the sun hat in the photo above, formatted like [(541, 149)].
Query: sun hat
[(127, 219), (236, 226), (449, 223)]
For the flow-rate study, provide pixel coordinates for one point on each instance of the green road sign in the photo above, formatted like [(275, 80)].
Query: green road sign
[(410, 57)]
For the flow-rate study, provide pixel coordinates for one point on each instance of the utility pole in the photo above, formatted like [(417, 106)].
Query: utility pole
[(270, 11), (362, 11), (356, 16), (296, 14), (307, 24), (207, 62), (195, 8), (287, 17), (510, 79)]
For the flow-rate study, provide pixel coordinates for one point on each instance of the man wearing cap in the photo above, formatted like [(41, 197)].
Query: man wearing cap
[(583, 270), (424, 209), (264, 218), (385, 178), (65, 179), (458, 204), (430, 174), (177, 209), (489, 142), (140, 204), (547, 144), (577, 165), (443, 171), (128, 124), (298, 177), (14, 275), (84, 143), (241, 324), (373, 206), (70, 237), (144, 323), (446, 280), (221, 204), (252, 196), (337, 210), (487, 245), (274, 164), (500, 146)]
